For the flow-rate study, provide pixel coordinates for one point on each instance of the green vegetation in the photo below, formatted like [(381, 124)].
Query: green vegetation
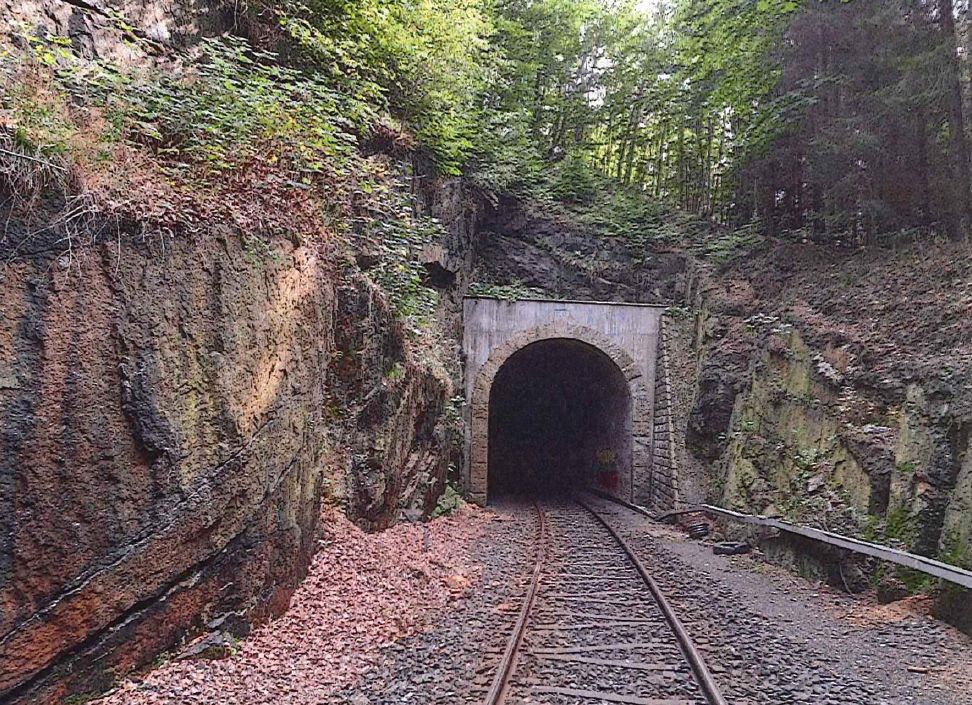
[(706, 123), (450, 501), (900, 526), (735, 111), (955, 551), (427, 61), (239, 101), (232, 119), (906, 468), (230, 105), (387, 218), (516, 291)]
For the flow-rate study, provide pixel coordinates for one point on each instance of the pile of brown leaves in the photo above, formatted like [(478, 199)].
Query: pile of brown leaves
[(363, 592)]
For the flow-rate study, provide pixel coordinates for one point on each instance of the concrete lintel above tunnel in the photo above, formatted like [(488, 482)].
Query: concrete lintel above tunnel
[(595, 375)]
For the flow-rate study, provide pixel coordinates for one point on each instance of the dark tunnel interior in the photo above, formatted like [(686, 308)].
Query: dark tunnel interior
[(559, 418)]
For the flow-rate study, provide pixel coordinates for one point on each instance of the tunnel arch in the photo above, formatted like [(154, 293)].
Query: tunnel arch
[(629, 370), (559, 419)]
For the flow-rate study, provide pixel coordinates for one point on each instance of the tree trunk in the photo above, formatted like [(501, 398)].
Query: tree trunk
[(924, 187), (660, 165), (680, 161), (633, 134), (956, 114)]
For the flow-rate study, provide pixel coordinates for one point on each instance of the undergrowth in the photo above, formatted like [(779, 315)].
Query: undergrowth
[(223, 106), (515, 291), (450, 502), (228, 133), (573, 189), (387, 220)]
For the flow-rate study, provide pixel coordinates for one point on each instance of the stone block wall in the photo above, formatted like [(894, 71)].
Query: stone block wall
[(662, 492), (494, 330)]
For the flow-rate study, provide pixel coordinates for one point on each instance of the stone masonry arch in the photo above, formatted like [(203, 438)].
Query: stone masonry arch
[(494, 331), (479, 403)]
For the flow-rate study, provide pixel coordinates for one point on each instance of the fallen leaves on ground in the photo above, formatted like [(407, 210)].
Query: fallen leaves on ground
[(865, 614), (363, 592)]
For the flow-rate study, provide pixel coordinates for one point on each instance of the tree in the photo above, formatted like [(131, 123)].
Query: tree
[(821, 117), (956, 124)]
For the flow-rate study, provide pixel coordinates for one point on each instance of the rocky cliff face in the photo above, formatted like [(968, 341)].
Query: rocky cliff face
[(93, 25), (178, 395), (178, 398), (173, 411), (555, 255), (834, 390)]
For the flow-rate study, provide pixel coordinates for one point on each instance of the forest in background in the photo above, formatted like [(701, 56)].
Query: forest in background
[(840, 120), (833, 120)]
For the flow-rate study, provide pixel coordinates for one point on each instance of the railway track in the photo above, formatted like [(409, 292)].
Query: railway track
[(594, 627)]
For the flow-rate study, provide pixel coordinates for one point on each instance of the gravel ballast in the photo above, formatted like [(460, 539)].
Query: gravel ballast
[(420, 614), (772, 637)]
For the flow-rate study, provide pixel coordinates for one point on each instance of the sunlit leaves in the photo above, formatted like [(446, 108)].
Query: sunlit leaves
[(225, 108), (427, 61)]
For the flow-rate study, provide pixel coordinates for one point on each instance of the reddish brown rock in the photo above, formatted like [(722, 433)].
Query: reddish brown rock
[(170, 421)]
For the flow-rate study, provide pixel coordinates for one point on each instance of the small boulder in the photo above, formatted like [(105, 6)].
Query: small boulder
[(731, 549), (890, 589), (852, 577)]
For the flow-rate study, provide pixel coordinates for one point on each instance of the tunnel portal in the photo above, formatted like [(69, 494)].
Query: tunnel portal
[(562, 393), (559, 418)]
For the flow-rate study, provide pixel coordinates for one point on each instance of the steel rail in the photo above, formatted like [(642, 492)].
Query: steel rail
[(501, 682), (708, 684)]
